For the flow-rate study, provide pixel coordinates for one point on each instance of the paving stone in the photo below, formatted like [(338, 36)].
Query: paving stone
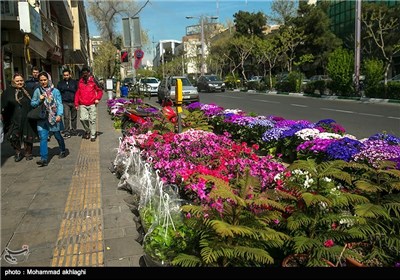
[(122, 247), (49, 218), (49, 200), (117, 220), (110, 233), (34, 239)]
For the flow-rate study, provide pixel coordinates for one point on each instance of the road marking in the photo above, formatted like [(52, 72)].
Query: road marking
[(396, 118), (299, 105), (372, 115), (266, 101), (234, 97), (336, 110)]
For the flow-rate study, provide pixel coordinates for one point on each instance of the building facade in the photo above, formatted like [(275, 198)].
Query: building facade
[(49, 34)]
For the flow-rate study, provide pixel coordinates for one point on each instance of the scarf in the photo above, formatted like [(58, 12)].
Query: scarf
[(20, 93), (50, 104)]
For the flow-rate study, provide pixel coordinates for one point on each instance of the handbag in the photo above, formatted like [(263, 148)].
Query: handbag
[(38, 113)]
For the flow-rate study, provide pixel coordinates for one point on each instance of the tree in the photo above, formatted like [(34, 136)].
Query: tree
[(105, 57), (249, 24), (290, 38), (340, 70), (268, 52), (243, 47), (282, 11), (382, 27), (319, 40)]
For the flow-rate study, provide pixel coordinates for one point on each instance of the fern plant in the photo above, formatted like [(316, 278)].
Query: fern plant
[(381, 211), (236, 228), (319, 218)]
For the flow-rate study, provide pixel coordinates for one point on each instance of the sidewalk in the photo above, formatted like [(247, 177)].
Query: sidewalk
[(69, 213)]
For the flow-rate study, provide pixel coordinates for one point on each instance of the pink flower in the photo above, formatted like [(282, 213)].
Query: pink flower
[(329, 243)]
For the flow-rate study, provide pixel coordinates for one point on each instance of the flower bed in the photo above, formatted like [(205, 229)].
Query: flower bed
[(208, 199)]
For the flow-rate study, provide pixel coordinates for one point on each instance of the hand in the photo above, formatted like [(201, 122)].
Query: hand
[(42, 97), (96, 102), (58, 118)]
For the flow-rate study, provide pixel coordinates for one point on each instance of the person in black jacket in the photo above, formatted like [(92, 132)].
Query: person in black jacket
[(33, 82), (68, 87)]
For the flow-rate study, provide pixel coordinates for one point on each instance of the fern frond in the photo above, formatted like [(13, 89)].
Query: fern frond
[(311, 199), (224, 229), (369, 210), (185, 260)]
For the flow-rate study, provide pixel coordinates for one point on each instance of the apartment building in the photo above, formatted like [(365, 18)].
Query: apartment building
[(49, 34)]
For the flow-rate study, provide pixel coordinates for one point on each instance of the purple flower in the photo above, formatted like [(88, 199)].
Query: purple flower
[(343, 149), (389, 138)]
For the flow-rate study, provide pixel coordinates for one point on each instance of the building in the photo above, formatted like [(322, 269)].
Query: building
[(165, 50), (49, 34), (342, 20)]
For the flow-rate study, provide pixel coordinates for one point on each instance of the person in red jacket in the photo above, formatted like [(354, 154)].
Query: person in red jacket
[(87, 97)]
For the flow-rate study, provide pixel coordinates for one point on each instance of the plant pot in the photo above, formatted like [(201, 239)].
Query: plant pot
[(350, 262), (300, 260), (150, 262)]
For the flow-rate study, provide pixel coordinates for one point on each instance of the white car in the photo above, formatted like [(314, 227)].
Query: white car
[(149, 84)]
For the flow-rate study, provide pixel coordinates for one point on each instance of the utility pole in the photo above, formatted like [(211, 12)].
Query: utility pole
[(357, 46)]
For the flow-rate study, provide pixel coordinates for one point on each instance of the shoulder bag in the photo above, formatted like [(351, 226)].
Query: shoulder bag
[(38, 113)]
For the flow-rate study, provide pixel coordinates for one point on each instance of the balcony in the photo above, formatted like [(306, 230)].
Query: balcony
[(63, 12)]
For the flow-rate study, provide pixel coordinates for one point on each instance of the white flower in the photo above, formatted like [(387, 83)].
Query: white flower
[(307, 133), (328, 135)]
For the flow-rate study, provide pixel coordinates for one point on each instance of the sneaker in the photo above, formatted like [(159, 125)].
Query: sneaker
[(28, 157), (62, 154), (48, 139), (67, 135), (73, 132), (93, 139), (41, 163)]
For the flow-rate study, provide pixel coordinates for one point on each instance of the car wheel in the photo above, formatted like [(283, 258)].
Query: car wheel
[(223, 90), (198, 89)]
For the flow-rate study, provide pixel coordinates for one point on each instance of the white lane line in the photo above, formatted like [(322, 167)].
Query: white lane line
[(298, 105), (372, 115), (234, 97), (396, 118), (336, 110), (266, 101)]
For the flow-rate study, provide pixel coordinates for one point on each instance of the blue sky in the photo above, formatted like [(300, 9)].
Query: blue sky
[(165, 19)]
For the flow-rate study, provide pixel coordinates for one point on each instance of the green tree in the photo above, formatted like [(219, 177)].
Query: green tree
[(243, 47), (340, 69), (382, 30), (290, 38), (249, 24), (319, 40), (104, 58), (374, 71)]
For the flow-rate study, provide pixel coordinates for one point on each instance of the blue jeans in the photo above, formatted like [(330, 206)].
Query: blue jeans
[(43, 135)]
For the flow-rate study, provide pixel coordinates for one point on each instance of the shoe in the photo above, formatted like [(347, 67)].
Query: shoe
[(41, 163), (18, 157), (62, 154), (93, 139), (86, 135), (67, 135), (28, 157), (73, 132), (48, 139)]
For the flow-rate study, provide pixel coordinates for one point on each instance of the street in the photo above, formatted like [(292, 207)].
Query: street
[(359, 118)]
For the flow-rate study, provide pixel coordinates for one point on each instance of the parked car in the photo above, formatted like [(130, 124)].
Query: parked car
[(167, 88), (149, 84), (256, 79), (128, 82), (395, 79), (210, 83)]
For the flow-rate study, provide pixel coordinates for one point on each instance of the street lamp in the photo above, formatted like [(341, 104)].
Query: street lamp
[(202, 70)]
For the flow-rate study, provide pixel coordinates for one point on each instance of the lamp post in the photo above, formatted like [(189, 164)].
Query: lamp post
[(202, 69)]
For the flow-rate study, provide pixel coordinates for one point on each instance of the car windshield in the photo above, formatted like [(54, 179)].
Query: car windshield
[(213, 78), (128, 80), (150, 81), (185, 82)]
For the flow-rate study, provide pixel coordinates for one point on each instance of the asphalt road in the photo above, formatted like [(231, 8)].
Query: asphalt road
[(359, 118)]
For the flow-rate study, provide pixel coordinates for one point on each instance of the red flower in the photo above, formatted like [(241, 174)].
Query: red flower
[(329, 243)]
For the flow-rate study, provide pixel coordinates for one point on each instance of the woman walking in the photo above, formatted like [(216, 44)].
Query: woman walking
[(51, 97), (15, 105)]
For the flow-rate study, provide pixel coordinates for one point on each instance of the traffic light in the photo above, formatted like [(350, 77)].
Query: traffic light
[(124, 56)]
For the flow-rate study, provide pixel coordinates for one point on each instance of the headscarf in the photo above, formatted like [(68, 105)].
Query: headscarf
[(19, 92), (49, 101)]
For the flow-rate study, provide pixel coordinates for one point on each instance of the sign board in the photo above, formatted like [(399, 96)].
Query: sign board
[(131, 32), (30, 20), (109, 84)]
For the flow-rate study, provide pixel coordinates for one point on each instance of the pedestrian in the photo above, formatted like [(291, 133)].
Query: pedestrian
[(87, 97), (51, 97), (33, 82), (67, 88), (15, 105)]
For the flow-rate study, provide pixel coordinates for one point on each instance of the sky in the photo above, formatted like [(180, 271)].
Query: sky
[(165, 19)]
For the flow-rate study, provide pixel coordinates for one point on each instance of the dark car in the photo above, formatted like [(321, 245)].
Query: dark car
[(210, 83), (167, 89), (128, 82)]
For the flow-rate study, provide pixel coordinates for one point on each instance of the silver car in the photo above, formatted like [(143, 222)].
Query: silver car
[(167, 89), (149, 85)]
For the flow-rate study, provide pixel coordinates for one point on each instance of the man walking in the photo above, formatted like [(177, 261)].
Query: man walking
[(68, 87), (33, 82), (87, 97)]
